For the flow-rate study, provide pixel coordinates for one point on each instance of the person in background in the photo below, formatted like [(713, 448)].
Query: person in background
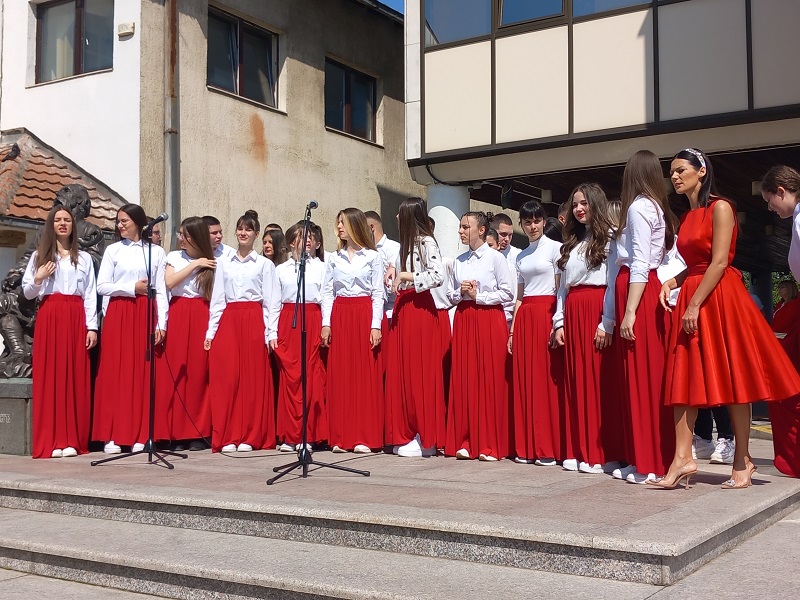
[(504, 227), (215, 234), (554, 229), (155, 233), (492, 239), (274, 246), (563, 211), (62, 277), (273, 227)]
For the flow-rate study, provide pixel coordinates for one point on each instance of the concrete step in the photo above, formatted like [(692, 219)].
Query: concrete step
[(191, 564)]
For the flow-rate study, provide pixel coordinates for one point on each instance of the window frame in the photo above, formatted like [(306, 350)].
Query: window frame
[(77, 54), (253, 29), (348, 123)]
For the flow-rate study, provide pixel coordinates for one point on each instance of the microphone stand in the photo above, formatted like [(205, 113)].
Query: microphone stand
[(150, 446), (304, 455)]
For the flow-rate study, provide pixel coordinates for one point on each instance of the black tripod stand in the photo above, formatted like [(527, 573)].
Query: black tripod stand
[(150, 446), (304, 457)]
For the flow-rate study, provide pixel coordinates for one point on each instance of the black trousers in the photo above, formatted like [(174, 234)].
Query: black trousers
[(703, 424)]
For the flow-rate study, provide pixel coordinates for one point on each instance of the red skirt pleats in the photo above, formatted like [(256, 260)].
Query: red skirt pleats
[(591, 409), (384, 360), (122, 389), (182, 377), (354, 385), (414, 386), (652, 427), (478, 409), (784, 416), (240, 380), (538, 379), (445, 336), (61, 379), (290, 393)]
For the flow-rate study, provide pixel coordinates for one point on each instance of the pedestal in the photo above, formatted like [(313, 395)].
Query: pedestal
[(15, 416)]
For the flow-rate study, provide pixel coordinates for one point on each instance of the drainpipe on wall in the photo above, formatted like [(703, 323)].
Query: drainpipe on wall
[(172, 156), (2, 39)]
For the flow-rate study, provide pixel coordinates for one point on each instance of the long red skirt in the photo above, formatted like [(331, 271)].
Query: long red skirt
[(290, 393), (414, 385), (785, 415), (355, 387), (445, 337), (240, 380), (538, 380), (61, 381), (122, 389), (478, 410), (652, 425), (182, 377)]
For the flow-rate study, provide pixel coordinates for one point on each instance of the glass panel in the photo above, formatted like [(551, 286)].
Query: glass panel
[(334, 96), (362, 106), (223, 55), (258, 78), (98, 33), (57, 52), (517, 11), (453, 20), (581, 8)]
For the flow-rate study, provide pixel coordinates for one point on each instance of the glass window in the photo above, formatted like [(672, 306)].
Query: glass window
[(517, 11), (454, 20), (65, 50), (582, 8), (350, 98), (241, 58)]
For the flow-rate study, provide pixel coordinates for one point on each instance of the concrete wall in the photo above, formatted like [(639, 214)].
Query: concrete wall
[(93, 119), (237, 155)]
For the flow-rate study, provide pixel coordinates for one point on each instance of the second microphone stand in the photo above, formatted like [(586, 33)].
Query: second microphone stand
[(304, 455)]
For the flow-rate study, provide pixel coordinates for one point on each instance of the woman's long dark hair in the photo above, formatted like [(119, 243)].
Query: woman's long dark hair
[(47, 250), (196, 229), (280, 253), (136, 214), (709, 186), (414, 224), (596, 234)]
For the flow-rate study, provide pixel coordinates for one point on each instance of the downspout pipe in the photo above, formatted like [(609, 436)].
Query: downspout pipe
[(172, 153)]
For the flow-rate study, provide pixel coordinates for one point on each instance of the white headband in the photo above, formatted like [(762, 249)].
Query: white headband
[(699, 156)]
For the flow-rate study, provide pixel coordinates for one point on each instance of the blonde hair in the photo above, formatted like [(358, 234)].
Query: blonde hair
[(356, 226)]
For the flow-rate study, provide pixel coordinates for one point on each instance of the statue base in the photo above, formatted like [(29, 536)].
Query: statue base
[(15, 416)]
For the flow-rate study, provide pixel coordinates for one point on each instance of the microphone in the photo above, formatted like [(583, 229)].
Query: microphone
[(159, 219), (313, 204)]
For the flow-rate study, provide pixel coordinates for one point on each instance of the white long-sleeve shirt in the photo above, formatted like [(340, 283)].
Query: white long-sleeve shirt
[(576, 272), (511, 253), (287, 277), (68, 279), (640, 246), (251, 279), (794, 248), (426, 266), (187, 288), (537, 267), (346, 278), (223, 250), (390, 254), (672, 266), (440, 294), (490, 269), (124, 263)]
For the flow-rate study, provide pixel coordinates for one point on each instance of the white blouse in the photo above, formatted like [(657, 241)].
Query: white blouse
[(363, 276), (124, 263), (440, 294), (251, 279), (577, 272), (426, 266), (511, 253), (537, 267), (287, 278), (490, 269), (68, 279), (223, 250), (794, 248), (187, 288), (672, 266), (390, 254), (640, 246)]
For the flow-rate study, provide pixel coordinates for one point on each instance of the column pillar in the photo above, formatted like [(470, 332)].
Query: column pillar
[(446, 204)]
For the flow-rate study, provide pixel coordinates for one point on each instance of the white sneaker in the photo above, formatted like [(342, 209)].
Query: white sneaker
[(623, 472), (229, 448), (111, 448), (57, 453), (596, 469), (570, 464), (462, 454), (640, 478), (69, 451), (702, 448), (298, 446), (411, 449), (524, 461), (286, 447), (723, 452), (137, 447), (362, 449), (244, 448), (545, 462), (338, 450), (487, 458)]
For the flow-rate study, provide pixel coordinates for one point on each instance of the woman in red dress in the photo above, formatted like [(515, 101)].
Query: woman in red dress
[(62, 277), (414, 385), (721, 350), (786, 320)]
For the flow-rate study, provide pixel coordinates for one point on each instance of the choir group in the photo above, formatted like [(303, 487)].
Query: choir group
[(572, 353)]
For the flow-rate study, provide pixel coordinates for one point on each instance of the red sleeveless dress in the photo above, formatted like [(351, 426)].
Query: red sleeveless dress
[(734, 357)]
